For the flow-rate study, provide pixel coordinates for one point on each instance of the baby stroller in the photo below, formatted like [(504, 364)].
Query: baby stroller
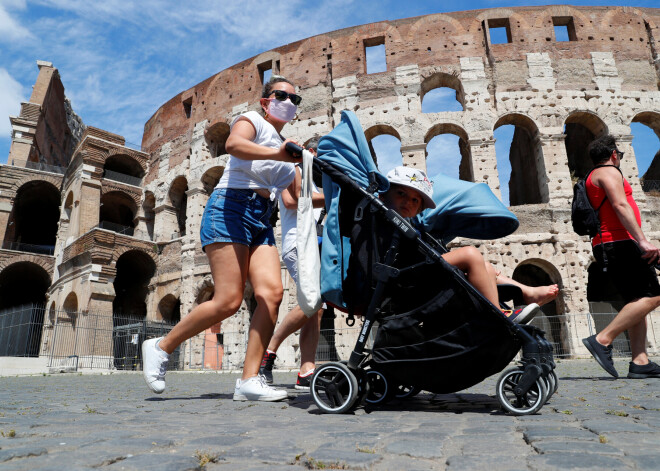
[(435, 332)]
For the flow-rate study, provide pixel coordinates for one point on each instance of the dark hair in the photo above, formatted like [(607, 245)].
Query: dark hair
[(601, 148), (268, 86)]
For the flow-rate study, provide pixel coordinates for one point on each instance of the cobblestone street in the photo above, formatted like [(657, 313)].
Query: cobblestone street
[(69, 422)]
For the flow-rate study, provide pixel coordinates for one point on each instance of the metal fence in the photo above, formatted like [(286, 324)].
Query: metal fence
[(32, 248), (40, 166), (72, 340), (118, 228), (122, 178), (75, 340)]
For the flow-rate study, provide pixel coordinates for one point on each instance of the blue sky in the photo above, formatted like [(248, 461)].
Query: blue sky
[(120, 59)]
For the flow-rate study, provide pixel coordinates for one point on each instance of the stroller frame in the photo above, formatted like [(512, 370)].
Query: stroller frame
[(338, 387)]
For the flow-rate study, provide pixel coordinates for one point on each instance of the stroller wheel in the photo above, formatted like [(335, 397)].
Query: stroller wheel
[(379, 388), (404, 392), (526, 404), (334, 388), (554, 382)]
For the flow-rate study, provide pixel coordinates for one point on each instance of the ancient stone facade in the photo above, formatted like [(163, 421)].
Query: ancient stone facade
[(559, 95)]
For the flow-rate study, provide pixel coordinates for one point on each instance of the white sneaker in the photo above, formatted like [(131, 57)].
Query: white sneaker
[(526, 314), (154, 365), (256, 389)]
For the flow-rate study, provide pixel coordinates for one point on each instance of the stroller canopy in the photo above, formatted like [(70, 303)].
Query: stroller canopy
[(347, 150), (466, 209)]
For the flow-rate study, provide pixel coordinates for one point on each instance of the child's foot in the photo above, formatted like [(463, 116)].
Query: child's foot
[(540, 294)]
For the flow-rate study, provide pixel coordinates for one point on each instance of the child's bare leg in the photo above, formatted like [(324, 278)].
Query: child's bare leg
[(531, 294), (472, 263)]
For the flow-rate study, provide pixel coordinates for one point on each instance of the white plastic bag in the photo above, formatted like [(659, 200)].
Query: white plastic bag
[(309, 261)]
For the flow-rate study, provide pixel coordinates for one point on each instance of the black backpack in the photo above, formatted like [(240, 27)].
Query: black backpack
[(583, 216)]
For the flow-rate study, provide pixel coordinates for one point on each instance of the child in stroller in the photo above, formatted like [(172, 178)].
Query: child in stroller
[(435, 332), (409, 194)]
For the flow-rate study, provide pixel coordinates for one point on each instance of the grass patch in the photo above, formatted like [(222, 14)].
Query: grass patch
[(624, 398), (204, 458), (89, 410), (310, 463), (619, 413), (10, 434), (365, 449), (602, 438)]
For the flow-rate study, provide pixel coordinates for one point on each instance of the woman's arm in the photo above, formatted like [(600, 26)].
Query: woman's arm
[(292, 192), (240, 144)]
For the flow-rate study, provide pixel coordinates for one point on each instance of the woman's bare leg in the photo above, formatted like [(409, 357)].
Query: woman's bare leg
[(266, 279), (229, 266), (472, 263)]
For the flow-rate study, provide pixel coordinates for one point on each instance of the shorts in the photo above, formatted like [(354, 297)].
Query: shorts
[(630, 275), (238, 216)]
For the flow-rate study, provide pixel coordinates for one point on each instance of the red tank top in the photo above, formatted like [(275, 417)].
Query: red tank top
[(610, 226)]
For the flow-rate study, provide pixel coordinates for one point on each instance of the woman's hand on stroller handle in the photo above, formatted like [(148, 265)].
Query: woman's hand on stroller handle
[(294, 150)]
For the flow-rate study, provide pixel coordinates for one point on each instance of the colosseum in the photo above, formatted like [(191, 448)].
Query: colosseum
[(101, 240)]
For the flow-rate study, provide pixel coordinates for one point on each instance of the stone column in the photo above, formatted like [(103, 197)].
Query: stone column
[(165, 222), (629, 167), (560, 185), (414, 155), (484, 164), (5, 212), (90, 202)]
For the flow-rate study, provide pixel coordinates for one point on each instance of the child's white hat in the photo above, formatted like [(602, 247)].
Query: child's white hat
[(415, 179)]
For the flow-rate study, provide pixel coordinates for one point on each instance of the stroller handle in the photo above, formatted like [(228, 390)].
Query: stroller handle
[(294, 149)]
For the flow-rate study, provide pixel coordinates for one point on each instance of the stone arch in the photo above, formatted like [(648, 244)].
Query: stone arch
[(204, 290), (23, 283), (32, 223), (528, 181), (55, 181), (580, 129), (169, 308), (46, 263), (135, 268), (70, 307), (562, 10), (179, 200), (52, 313), (381, 130), (117, 212), (134, 156), (216, 136), (465, 170), (539, 272), (121, 250), (651, 177), (211, 177), (443, 80), (429, 21), (123, 164)]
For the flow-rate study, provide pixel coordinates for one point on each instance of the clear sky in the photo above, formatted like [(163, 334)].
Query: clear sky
[(120, 59)]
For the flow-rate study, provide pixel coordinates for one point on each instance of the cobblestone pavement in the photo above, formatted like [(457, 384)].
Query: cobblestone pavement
[(70, 422)]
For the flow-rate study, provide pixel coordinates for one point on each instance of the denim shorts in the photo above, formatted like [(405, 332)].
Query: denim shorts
[(238, 216)]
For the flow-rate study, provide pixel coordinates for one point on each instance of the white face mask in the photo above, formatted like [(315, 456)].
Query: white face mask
[(282, 110)]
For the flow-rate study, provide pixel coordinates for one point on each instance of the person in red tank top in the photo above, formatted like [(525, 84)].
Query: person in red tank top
[(627, 258)]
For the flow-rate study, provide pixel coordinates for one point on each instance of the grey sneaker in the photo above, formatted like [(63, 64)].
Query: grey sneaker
[(602, 354), (256, 389), (154, 365), (650, 370)]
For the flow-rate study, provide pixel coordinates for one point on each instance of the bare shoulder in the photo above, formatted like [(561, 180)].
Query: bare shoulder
[(607, 174)]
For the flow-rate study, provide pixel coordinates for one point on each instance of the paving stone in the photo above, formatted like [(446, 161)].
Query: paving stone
[(472, 462), (583, 461), (536, 433), (416, 448), (156, 462), (327, 456), (576, 447), (602, 426), (23, 452)]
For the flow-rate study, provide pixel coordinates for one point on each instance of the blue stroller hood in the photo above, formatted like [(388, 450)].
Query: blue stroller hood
[(466, 209), (346, 149)]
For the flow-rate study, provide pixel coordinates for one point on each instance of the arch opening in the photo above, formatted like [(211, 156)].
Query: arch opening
[(117, 212), (211, 178), (551, 321), (645, 128), (581, 128), (23, 288), (148, 208), (169, 309), (179, 200), (520, 161), (442, 92), (32, 225), (123, 168), (216, 137), (385, 147), (448, 152), (134, 272)]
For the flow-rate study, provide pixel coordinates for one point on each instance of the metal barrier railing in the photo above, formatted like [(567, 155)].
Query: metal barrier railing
[(31, 248), (38, 166), (118, 228), (122, 178), (75, 340)]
